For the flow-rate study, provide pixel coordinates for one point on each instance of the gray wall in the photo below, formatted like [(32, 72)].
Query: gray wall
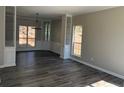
[(56, 35), (103, 39), (2, 33), (56, 30)]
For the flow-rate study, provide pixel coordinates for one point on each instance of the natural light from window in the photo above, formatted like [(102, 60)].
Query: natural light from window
[(31, 36), (77, 41), (22, 35), (102, 83), (27, 35)]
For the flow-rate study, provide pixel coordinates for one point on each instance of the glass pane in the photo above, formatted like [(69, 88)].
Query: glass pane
[(31, 32), (49, 30), (22, 32), (22, 41), (22, 35), (46, 30), (77, 49), (31, 36), (77, 40), (78, 34), (47, 27), (31, 42)]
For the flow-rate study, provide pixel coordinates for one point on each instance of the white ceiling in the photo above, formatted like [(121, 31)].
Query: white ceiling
[(56, 11)]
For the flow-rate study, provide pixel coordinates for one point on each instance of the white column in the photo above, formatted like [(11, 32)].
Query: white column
[(2, 34), (66, 36), (10, 51)]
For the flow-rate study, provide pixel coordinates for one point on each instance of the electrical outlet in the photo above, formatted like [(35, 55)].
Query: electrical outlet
[(92, 59)]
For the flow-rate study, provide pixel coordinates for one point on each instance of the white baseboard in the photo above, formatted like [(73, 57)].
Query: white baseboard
[(9, 65), (99, 68), (1, 66)]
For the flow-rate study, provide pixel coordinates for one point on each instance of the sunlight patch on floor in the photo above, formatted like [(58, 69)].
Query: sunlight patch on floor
[(102, 83)]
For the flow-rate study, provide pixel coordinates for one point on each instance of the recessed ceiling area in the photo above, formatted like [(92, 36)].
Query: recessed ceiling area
[(56, 11)]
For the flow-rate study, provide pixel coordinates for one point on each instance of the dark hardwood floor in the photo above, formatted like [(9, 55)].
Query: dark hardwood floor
[(46, 69)]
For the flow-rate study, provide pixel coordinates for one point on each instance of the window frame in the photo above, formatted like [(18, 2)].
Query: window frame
[(27, 37), (47, 29), (72, 41)]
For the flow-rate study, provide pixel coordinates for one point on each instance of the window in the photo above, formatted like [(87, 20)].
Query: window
[(47, 31), (27, 35), (31, 36), (77, 41), (22, 35)]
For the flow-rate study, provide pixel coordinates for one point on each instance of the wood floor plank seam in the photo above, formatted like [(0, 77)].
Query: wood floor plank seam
[(46, 69)]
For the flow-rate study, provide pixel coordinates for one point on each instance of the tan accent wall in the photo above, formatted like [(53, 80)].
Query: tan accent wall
[(103, 38)]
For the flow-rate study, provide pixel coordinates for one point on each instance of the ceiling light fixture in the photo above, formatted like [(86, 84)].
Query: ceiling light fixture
[(37, 23)]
